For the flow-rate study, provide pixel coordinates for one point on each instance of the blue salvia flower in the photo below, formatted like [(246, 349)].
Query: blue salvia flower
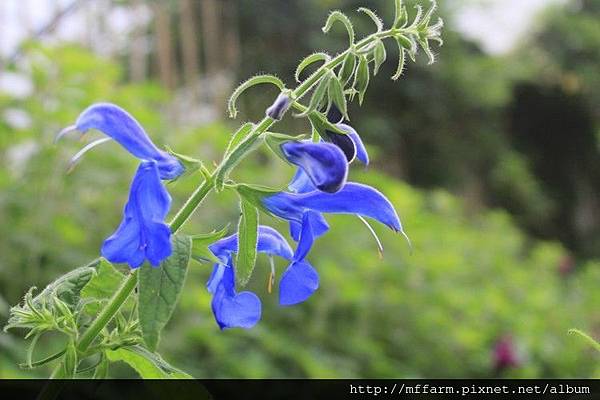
[(304, 212), (120, 126), (232, 309), (143, 233), (324, 164)]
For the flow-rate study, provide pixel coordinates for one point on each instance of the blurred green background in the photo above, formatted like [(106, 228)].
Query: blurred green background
[(491, 158)]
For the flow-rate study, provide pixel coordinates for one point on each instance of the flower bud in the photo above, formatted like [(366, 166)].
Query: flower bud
[(280, 106)]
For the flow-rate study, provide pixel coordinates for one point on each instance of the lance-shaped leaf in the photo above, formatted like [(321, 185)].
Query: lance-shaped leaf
[(401, 17), (200, 243), (245, 145), (361, 79), (160, 288), (378, 22), (237, 137), (409, 44), (338, 16), (275, 140), (318, 95), (347, 69), (309, 60), (247, 241), (401, 62), (336, 95), (379, 55), (320, 124), (256, 80), (68, 287), (102, 286), (147, 364)]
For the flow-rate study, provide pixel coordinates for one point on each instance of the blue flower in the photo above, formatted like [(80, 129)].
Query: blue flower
[(350, 143), (324, 164), (232, 309), (119, 125), (143, 233), (304, 209)]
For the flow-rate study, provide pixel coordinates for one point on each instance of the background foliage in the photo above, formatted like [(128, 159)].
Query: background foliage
[(492, 163)]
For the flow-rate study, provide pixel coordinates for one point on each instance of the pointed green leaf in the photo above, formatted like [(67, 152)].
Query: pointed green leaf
[(347, 69), (311, 59), (160, 288), (200, 243), (338, 16), (401, 15), (275, 140), (318, 95), (401, 63), (243, 143), (104, 284), (68, 287), (378, 22), (255, 80), (336, 95), (320, 124), (147, 364), (362, 78), (255, 193), (379, 55), (247, 241)]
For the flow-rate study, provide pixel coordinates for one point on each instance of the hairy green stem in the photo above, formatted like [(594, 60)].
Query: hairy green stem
[(196, 198)]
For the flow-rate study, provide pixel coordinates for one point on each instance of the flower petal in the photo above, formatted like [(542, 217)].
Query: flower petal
[(231, 310), (354, 198), (117, 123), (142, 233), (297, 283), (323, 163)]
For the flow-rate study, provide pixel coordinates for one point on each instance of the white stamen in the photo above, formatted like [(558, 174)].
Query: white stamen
[(68, 129), (379, 245), (271, 281), (75, 159)]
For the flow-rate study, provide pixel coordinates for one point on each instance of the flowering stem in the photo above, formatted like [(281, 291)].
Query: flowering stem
[(205, 188)]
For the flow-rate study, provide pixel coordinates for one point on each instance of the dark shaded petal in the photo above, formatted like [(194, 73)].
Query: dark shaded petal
[(324, 163), (354, 198), (361, 151), (344, 142), (298, 283), (117, 123)]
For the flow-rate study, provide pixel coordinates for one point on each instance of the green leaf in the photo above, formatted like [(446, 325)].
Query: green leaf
[(247, 241), (103, 285), (378, 22), (255, 193), (401, 63), (379, 55), (200, 243), (68, 287), (275, 140), (70, 361), (347, 69), (311, 59), (338, 16), (101, 370), (255, 80), (320, 124), (160, 288), (237, 137), (361, 79), (401, 15), (245, 144), (336, 95), (190, 164), (409, 44), (147, 364), (318, 95)]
